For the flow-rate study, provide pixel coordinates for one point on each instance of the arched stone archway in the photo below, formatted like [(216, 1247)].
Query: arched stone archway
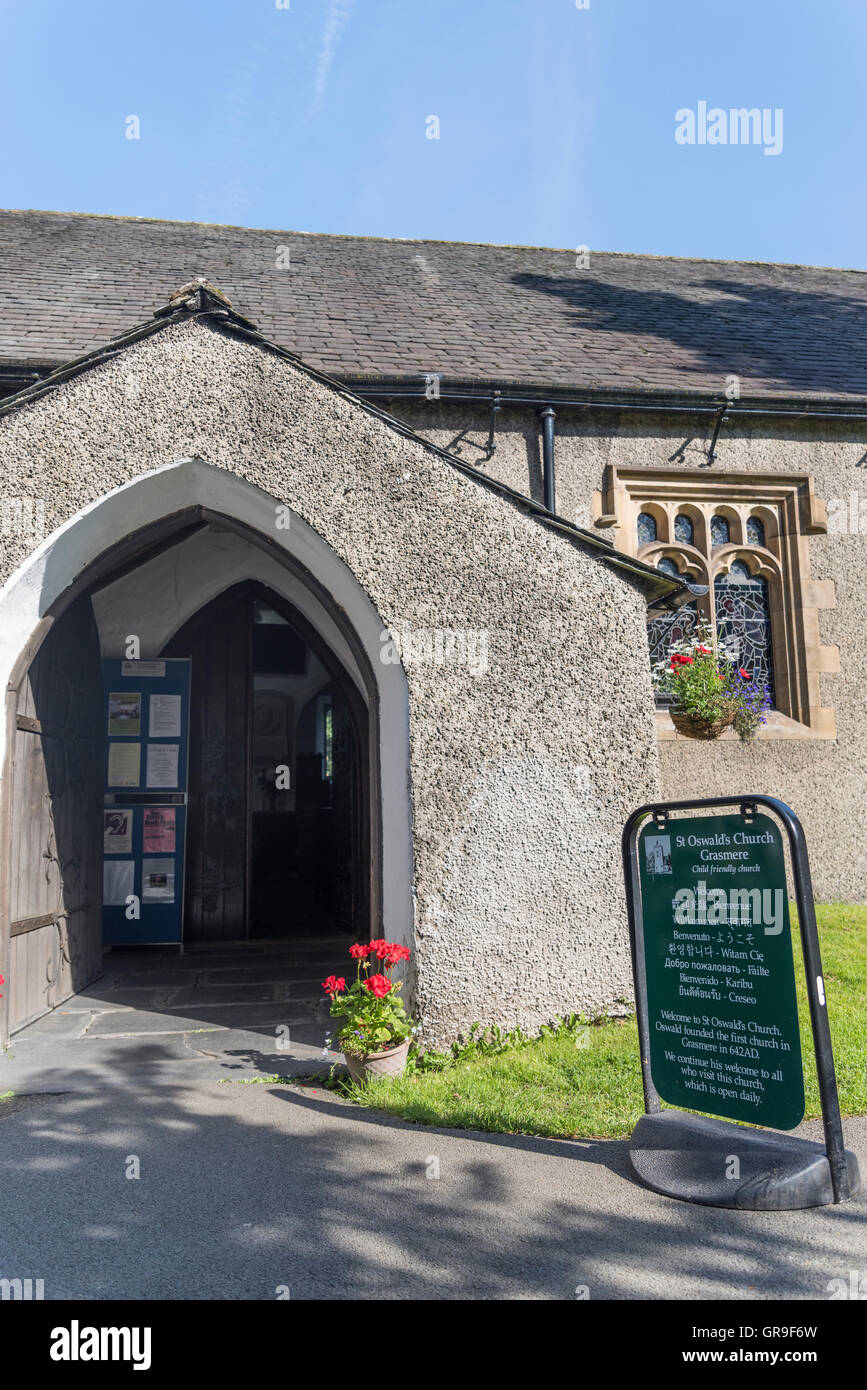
[(170, 511)]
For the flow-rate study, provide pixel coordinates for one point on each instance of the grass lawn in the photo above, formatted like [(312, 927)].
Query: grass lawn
[(551, 1087)]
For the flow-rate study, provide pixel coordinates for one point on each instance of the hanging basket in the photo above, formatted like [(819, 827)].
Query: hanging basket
[(697, 726)]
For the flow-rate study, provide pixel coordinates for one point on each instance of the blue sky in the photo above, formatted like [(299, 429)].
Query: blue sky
[(556, 124)]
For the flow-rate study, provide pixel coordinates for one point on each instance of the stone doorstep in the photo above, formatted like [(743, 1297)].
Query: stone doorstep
[(217, 1017), (172, 1059), (202, 962), (205, 991), (181, 1034)]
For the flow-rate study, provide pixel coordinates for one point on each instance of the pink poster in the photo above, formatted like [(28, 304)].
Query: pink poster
[(159, 830)]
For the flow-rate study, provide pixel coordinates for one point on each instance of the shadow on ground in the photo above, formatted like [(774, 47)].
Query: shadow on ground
[(245, 1191)]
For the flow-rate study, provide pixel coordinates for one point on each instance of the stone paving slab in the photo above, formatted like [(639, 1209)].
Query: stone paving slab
[(37, 1066), (149, 1013), (225, 994), (63, 1024), (118, 1021)]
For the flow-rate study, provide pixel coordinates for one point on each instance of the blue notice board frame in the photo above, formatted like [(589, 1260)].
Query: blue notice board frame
[(126, 805)]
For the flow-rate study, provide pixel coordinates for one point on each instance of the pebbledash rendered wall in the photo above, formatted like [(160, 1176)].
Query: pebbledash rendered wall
[(522, 773), (825, 781)]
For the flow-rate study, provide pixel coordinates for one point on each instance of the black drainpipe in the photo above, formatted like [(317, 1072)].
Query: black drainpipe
[(548, 416)]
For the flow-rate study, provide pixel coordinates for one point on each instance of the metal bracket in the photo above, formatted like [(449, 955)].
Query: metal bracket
[(491, 447), (720, 421)]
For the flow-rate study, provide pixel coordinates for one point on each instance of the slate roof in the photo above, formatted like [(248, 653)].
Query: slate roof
[(205, 304), (359, 307)]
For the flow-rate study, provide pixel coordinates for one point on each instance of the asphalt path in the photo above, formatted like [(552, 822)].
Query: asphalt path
[(201, 1189)]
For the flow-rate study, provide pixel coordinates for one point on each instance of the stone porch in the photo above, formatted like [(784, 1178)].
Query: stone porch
[(237, 1012)]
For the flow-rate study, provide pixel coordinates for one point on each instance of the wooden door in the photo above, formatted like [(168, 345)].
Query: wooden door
[(216, 889), (221, 825), (55, 820)]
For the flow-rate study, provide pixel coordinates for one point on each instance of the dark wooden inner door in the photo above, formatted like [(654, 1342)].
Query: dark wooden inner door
[(276, 829)]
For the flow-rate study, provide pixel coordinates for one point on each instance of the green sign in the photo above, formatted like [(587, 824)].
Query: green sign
[(721, 1004)]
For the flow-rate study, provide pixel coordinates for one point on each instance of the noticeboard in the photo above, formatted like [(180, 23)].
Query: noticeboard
[(146, 710), (721, 1005)]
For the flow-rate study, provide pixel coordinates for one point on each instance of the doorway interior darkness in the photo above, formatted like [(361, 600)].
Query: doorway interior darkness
[(277, 823)]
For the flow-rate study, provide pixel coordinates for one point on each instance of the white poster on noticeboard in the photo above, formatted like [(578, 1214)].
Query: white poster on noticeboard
[(117, 832), (162, 765), (158, 880), (118, 877), (124, 764), (164, 716)]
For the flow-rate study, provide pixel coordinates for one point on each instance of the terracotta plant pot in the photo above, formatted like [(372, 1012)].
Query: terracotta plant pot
[(392, 1062), (694, 726)]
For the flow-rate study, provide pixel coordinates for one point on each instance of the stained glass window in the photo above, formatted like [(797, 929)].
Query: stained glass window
[(755, 531), (663, 631), (719, 530), (684, 531), (743, 620), (646, 528)]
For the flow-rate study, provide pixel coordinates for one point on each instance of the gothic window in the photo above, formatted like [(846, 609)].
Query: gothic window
[(737, 607), (743, 622), (755, 531), (744, 542), (667, 565), (663, 632)]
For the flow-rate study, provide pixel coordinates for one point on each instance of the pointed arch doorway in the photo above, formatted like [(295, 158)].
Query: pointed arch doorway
[(278, 836)]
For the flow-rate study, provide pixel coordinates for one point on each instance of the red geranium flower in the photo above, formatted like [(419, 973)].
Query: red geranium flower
[(742, 672), (335, 984), (359, 951), (379, 986), (395, 954)]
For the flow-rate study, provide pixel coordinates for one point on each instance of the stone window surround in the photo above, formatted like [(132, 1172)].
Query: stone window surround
[(791, 513)]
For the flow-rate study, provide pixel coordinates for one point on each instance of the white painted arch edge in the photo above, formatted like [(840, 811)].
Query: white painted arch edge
[(189, 482)]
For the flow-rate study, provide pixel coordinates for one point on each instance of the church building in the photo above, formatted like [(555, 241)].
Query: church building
[(334, 575)]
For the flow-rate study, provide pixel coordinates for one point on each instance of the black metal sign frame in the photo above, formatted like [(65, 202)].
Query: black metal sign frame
[(659, 812)]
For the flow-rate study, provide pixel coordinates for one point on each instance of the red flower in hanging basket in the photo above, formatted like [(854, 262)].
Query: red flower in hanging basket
[(359, 951), (742, 672), (334, 985)]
